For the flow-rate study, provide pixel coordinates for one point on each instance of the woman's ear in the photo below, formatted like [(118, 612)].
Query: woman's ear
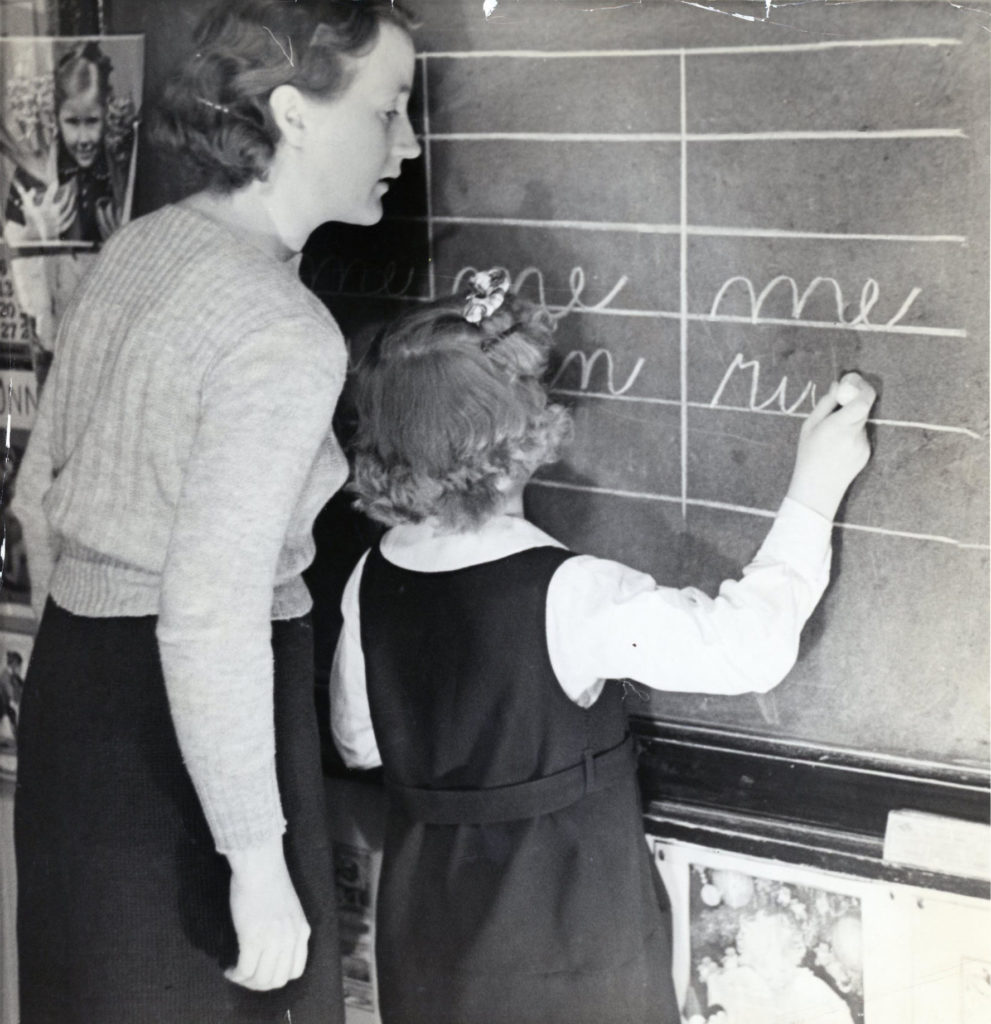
[(288, 109)]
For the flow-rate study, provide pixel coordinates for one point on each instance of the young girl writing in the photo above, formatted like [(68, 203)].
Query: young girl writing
[(473, 666)]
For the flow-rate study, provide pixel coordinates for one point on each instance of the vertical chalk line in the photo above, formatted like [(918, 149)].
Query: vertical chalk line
[(431, 280), (683, 286)]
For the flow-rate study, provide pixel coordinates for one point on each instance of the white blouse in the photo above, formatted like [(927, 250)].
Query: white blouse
[(608, 621)]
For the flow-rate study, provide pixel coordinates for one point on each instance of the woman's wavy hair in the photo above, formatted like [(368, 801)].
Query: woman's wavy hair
[(214, 111), (450, 412)]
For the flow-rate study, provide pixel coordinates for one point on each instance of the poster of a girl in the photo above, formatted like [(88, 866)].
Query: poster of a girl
[(83, 197)]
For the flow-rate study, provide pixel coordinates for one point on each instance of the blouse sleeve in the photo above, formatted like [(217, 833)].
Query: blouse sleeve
[(266, 409), (350, 715), (608, 621)]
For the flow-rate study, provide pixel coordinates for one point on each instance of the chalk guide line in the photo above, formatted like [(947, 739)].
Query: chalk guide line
[(810, 135), (387, 276), (725, 506), (697, 51), (828, 325), (760, 410), (694, 230), (558, 311)]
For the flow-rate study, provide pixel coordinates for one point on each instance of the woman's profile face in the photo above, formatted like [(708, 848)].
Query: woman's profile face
[(80, 121), (359, 140)]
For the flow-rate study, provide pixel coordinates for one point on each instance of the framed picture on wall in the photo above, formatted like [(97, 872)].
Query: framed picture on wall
[(763, 949), (761, 942)]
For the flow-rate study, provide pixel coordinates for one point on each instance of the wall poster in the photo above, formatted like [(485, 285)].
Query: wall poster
[(69, 110)]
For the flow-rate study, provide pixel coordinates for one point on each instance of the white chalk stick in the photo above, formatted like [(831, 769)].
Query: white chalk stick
[(846, 393)]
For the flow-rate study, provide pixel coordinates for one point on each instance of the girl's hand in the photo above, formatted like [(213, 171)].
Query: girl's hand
[(833, 446), (107, 218), (272, 931), (49, 213)]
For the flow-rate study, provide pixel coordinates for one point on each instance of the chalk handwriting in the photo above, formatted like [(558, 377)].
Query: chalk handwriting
[(587, 364), (332, 276), (778, 395), (533, 277), (869, 295)]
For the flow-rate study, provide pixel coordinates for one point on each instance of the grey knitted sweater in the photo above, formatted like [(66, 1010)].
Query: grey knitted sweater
[(181, 452)]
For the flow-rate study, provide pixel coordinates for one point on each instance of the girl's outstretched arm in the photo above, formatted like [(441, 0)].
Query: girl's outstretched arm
[(608, 621)]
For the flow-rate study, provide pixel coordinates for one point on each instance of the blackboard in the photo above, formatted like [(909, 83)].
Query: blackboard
[(725, 206)]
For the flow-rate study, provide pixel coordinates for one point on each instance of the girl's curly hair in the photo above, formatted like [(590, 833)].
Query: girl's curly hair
[(450, 412), (214, 111)]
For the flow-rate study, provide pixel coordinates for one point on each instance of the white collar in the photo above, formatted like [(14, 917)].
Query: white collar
[(420, 547)]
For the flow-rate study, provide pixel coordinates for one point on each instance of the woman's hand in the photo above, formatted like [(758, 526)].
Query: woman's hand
[(48, 214), (833, 446), (272, 931)]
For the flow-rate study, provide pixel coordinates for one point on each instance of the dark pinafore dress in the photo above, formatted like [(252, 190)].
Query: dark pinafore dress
[(516, 884)]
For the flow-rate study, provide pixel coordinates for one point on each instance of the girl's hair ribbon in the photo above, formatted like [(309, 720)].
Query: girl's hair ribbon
[(488, 290)]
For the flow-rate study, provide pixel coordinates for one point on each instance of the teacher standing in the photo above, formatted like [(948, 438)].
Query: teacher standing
[(172, 851)]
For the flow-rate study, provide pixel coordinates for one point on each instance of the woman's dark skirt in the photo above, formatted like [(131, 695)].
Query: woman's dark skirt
[(123, 911)]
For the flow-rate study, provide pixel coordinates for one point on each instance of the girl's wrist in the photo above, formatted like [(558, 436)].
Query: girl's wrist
[(815, 495)]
